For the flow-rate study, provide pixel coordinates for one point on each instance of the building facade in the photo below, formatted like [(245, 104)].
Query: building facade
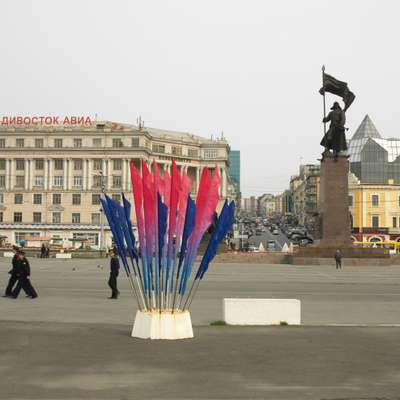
[(51, 177), (234, 169)]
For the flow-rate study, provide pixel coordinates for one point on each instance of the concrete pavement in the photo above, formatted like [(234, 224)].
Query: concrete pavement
[(77, 291)]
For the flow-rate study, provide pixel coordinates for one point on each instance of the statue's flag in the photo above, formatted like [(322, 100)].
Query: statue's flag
[(334, 86)]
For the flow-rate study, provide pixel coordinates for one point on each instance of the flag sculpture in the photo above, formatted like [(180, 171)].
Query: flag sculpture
[(161, 266)]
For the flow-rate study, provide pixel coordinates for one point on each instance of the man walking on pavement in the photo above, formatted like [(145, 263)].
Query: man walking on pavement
[(114, 270), (338, 259), (13, 273), (23, 272)]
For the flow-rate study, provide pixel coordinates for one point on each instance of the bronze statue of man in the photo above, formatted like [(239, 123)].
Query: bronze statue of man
[(335, 138)]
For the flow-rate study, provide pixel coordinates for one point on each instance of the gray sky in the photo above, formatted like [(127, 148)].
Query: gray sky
[(249, 68)]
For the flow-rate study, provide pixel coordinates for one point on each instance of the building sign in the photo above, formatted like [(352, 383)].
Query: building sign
[(45, 120)]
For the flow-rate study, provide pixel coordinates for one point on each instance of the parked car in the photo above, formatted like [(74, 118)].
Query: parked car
[(253, 249), (271, 245), (275, 232)]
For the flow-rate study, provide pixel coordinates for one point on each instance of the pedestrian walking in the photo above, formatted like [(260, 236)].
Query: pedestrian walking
[(13, 273), (43, 251), (23, 273), (114, 270), (47, 253), (338, 259)]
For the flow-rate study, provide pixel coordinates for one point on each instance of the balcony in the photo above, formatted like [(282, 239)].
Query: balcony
[(369, 230)]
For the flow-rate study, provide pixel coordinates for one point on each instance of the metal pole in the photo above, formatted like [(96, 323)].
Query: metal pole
[(324, 100)]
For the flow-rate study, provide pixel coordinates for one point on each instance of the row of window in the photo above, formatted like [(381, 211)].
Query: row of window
[(59, 164), (57, 198), (58, 181), (77, 143), (56, 218), (374, 200), (116, 143)]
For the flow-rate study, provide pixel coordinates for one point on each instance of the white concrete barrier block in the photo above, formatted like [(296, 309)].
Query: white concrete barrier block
[(63, 255), (262, 311), (9, 254), (165, 325)]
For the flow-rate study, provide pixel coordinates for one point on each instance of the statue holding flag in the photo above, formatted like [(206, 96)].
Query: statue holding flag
[(335, 138)]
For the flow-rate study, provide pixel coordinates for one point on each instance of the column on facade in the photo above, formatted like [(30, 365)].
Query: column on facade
[(90, 174), (70, 175), (124, 176), (30, 175), (65, 174), (128, 176), (224, 182), (8, 174), (26, 173), (46, 175), (51, 169), (197, 178), (84, 175), (107, 174)]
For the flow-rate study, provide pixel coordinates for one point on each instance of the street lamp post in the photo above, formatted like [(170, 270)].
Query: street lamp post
[(103, 189)]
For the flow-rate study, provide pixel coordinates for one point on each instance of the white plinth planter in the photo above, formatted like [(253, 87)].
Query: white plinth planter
[(262, 311), (165, 325)]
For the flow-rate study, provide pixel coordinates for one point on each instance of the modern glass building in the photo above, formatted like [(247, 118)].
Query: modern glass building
[(374, 160), (234, 168)]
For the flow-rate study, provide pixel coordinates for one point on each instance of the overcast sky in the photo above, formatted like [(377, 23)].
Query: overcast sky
[(251, 69)]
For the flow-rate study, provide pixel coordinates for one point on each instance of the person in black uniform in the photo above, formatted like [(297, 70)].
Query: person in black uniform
[(13, 273), (114, 270), (23, 271)]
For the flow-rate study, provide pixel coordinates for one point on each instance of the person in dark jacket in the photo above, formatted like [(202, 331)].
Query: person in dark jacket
[(338, 259), (23, 271), (114, 270), (13, 273)]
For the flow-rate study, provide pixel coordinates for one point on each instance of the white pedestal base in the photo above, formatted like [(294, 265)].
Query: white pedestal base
[(165, 325)]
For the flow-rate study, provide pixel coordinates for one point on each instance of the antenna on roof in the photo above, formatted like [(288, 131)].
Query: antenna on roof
[(139, 122)]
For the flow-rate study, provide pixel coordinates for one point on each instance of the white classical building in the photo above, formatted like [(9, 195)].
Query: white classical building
[(51, 177)]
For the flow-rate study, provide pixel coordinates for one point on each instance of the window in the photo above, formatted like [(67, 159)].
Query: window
[(78, 165), (56, 218), (77, 143), (210, 154), (39, 164), (193, 153), (39, 180), (37, 198), (117, 164), (76, 218), (39, 143), (2, 143), (117, 143), (20, 181), (97, 142), (135, 142), (77, 181), (76, 199), (350, 201), (158, 148), (97, 165), (375, 200), (20, 142), (2, 181), (58, 180), (56, 198), (176, 150), (97, 181), (394, 219), (58, 164), (1, 216), (117, 181), (18, 217), (58, 143), (1, 198), (96, 218), (37, 217), (116, 197), (95, 199), (2, 163), (18, 198), (375, 221), (20, 164)]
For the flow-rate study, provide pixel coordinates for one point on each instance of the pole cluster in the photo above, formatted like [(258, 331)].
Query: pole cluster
[(170, 226)]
